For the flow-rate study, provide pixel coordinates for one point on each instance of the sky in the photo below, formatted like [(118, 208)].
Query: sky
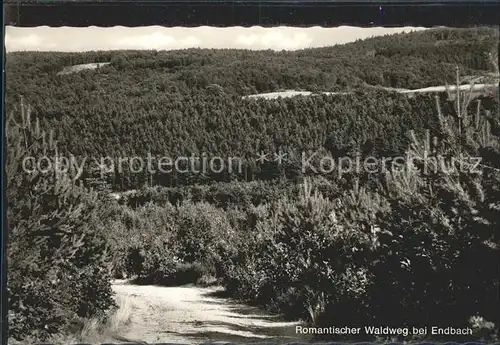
[(72, 39)]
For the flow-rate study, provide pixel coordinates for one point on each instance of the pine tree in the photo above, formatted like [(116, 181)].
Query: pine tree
[(441, 255), (56, 270)]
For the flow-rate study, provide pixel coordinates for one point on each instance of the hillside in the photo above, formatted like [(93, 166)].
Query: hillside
[(173, 103)]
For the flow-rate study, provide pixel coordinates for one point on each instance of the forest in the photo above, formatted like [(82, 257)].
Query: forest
[(385, 248)]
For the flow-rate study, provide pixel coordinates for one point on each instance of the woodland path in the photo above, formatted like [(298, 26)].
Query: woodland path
[(191, 314)]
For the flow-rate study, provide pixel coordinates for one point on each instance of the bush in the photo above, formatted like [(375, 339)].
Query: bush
[(151, 252), (152, 263), (173, 244), (204, 233), (306, 256)]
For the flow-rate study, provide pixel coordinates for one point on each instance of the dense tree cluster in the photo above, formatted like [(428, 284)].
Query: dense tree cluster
[(188, 102)]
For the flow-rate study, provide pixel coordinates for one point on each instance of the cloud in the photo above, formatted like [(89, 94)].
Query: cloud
[(28, 42), (156, 40), (155, 37), (275, 40), (190, 41)]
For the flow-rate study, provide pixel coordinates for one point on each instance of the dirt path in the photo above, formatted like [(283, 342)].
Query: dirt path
[(190, 315)]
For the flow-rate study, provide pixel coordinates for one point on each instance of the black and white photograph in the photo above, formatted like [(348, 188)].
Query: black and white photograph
[(285, 184)]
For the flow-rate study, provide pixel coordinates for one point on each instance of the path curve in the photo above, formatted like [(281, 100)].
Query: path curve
[(190, 314)]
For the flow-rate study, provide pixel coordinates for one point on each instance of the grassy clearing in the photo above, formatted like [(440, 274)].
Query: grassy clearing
[(99, 330)]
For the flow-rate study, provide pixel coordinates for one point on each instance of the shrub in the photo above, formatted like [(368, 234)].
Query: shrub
[(204, 233), (174, 244), (151, 252), (306, 256)]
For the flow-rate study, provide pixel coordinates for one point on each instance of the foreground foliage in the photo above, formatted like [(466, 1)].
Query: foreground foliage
[(57, 264)]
